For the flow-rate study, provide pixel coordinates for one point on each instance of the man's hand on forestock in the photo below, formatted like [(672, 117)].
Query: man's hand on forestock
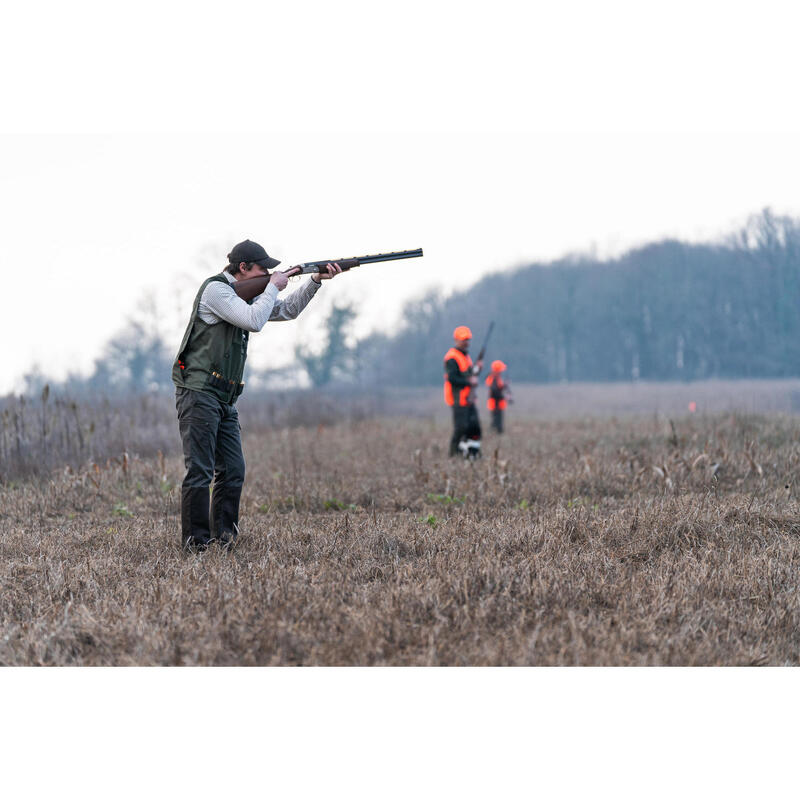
[(331, 271)]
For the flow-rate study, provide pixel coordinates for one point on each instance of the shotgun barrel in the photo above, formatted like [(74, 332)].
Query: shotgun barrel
[(349, 263), (476, 370), (486, 341)]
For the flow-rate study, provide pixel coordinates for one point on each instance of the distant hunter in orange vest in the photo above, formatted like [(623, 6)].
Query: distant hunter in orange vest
[(499, 394), (459, 382)]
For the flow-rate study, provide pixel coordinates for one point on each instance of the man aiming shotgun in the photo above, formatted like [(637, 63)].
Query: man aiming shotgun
[(208, 374)]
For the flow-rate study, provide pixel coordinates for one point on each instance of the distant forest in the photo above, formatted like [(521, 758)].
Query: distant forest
[(667, 311)]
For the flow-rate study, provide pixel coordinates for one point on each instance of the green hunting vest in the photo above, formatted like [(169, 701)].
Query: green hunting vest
[(211, 357)]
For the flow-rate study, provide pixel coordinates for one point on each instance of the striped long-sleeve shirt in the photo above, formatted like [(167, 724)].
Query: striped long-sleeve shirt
[(220, 302)]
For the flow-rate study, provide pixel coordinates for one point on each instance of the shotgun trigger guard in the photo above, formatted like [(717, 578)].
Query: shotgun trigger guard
[(294, 272)]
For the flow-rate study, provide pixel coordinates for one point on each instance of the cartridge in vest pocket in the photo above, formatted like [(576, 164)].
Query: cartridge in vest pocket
[(217, 381)]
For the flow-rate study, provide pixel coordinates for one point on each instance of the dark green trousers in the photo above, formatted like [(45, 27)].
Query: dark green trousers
[(466, 425), (212, 453)]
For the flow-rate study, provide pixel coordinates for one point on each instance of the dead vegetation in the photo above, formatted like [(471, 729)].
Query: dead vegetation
[(587, 542), (38, 434), (41, 433)]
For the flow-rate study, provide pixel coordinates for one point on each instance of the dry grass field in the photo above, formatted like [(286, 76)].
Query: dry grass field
[(604, 542)]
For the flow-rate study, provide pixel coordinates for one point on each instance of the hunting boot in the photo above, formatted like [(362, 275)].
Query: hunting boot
[(195, 533), (225, 514)]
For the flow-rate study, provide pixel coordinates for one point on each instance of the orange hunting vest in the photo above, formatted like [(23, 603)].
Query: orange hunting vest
[(495, 389), (464, 363)]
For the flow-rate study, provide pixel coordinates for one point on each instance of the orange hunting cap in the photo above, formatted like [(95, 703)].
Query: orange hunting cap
[(498, 366), (461, 333)]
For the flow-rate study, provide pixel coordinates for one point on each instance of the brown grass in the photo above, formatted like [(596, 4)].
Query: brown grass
[(583, 542)]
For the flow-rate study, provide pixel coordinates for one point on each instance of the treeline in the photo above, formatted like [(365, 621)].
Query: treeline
[(667, 311), (138, 360)]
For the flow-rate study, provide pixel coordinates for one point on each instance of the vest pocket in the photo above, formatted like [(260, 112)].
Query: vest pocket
[(216, 381)]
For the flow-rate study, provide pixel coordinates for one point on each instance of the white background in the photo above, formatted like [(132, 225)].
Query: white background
[(144, 139)]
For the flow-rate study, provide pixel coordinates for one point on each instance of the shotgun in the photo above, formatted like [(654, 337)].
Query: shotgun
[(476, 370), (485, 342), (252, 287)]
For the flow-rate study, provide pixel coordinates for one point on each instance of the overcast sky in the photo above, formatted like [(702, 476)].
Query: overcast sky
[(140, 146)]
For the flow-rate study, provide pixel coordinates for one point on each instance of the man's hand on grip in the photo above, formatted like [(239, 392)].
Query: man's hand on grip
[(279, 280)]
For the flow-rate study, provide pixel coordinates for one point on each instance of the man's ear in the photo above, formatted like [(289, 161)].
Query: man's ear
[(243, 267)]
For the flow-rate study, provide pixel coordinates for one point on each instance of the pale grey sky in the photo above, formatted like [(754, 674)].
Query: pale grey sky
[(141, 147)]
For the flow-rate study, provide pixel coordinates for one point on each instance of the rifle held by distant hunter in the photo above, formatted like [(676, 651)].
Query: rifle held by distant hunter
[(252, 287), (476, 369)]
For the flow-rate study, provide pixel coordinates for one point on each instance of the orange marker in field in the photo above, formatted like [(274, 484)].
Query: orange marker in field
[(692, 407)]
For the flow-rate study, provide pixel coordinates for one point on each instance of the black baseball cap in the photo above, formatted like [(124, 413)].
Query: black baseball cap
[(251, 252)]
